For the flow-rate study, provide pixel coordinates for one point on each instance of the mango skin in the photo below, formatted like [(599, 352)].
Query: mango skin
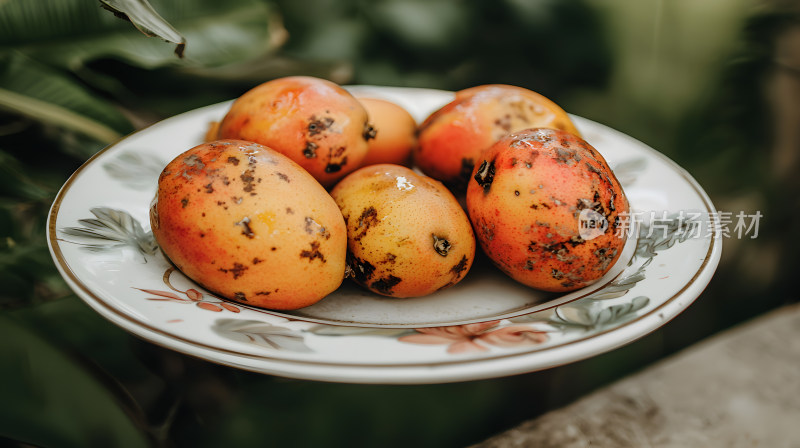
[(452, 139), (525, 200), (249, 224), (395, 132), (314, 122), (407, 235)]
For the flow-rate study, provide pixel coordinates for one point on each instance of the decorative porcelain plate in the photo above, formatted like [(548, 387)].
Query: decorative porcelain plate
[(486, 326)]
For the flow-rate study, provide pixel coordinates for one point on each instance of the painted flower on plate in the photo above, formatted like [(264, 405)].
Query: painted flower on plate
[(473, 337)]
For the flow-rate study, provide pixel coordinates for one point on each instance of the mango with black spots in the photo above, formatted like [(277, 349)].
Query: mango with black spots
[(314, 122), (546, 208), (407, 235), (249, 224), (395, 132), (451, 139)]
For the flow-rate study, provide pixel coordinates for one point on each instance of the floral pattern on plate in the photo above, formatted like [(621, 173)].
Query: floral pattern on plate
[(118, 230)]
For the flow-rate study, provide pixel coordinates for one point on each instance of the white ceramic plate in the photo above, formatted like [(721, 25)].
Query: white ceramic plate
[(486, 326)]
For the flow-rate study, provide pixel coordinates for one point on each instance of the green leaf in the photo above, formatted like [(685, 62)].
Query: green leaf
[(52, 401), (69, 34), (36, 91), (146, 20), (15, 183)]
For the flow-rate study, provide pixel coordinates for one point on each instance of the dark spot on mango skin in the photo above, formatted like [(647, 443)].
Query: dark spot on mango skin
[(567, 157), (248, 179), (289, 211), (369, 132), (240, 296), (604, 258), (184, 202), (485, 175), (385, 284), (246, 229), (560, 251), (576, 240), (592, 168), (194, 161), (368, 218), (237, 270), (459, 267), (584, 204), (361, 270), (317, 126), (504, 123), (257, 260), (233, 161), (335, 167), (486, 229), (313, 226), (528, 265), (263, 293), (283, 177), (441, 245), (209, 188), (390, 258), (314, 253), (310, 151)]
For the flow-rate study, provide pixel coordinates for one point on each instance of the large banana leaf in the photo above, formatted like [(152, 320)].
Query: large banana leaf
[(70, 33), (146, 20), (37, 91), (41, 41)]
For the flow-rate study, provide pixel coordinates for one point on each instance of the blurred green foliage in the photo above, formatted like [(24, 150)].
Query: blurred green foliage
[(688, 78)]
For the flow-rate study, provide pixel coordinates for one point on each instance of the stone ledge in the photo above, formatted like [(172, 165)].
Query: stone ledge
[(738, 388)]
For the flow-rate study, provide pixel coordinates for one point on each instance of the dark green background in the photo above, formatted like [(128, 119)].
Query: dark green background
[(702, 81)]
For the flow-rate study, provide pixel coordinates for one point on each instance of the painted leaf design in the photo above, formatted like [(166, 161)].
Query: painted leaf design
[(628, 170), (155, 292), (135, 170), (229, 307), (194, 294), (593, 315), (676, 231), (262, 334), (209, 306), (663, 236), (624, 283), (113, 229)]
